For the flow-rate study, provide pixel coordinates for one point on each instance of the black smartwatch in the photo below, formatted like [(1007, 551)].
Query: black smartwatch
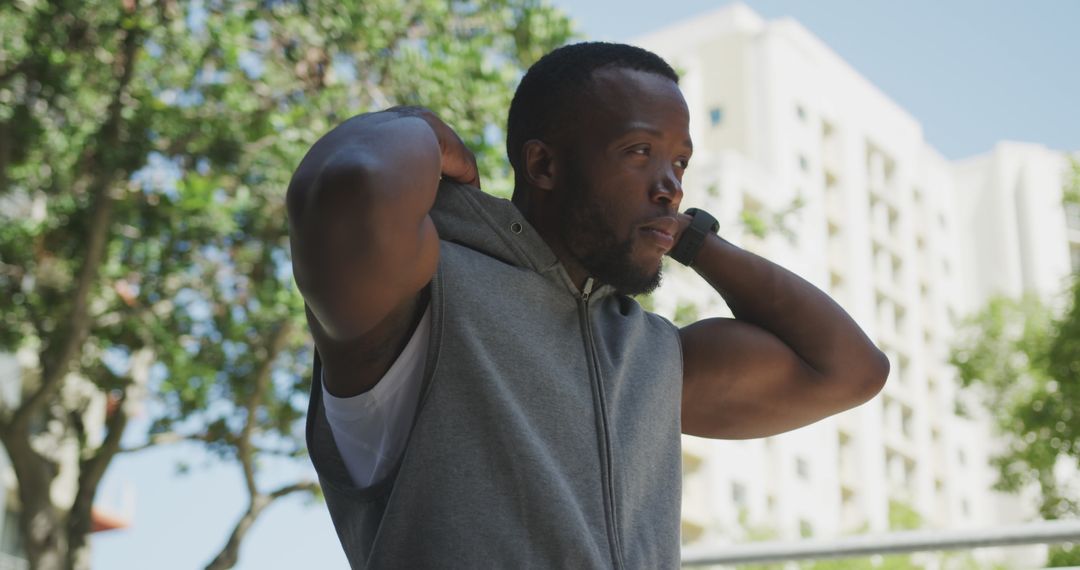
[(693, 237)]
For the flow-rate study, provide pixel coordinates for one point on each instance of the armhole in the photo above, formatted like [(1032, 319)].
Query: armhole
[(323, 450)]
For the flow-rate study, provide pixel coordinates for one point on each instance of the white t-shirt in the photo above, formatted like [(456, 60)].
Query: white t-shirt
[(370, 429)]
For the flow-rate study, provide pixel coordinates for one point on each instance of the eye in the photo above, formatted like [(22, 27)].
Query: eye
[(642, 150), (683, 163)]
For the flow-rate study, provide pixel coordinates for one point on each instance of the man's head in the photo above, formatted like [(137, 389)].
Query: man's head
[(598, 135), (555, 91)]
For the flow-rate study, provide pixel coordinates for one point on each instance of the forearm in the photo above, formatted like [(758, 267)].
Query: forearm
[(799, 314)]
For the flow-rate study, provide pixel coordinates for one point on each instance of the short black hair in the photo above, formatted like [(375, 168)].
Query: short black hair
[(546, 98)]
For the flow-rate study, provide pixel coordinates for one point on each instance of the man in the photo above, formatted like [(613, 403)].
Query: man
[(486, 394)]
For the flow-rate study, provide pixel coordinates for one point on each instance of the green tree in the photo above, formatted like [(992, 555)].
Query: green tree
[(1022, 356), (144, 152)]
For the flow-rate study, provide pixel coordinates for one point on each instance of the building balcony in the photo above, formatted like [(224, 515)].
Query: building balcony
[(835, 208), (849, 473), (10, 562)]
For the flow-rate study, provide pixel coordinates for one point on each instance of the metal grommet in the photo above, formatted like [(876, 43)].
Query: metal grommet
[(515, 227)]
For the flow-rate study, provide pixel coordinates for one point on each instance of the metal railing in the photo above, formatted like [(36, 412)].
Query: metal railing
[(1042, 532)]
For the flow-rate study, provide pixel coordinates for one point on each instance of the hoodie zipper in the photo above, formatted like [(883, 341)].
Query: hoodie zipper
[(602, 428)]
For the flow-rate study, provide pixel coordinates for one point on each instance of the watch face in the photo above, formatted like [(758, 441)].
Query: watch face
[(714, 224)]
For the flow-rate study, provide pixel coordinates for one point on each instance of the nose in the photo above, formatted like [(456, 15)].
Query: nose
[(668, 189)]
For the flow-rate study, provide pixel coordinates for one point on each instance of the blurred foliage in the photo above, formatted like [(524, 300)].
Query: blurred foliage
[(686, 312), (903, 516), (145, 148), (1022, 359), (1063, 556), (759, 223), (1071, 192)]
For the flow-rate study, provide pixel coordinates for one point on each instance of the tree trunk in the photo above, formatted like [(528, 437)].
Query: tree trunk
[(80, 521), (40, 522), (46, 550), (44, 537)]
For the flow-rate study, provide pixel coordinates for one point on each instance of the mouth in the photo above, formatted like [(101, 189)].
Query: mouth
[(661, 232)]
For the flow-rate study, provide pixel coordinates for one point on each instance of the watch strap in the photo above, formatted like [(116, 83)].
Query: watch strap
[(693, 237)]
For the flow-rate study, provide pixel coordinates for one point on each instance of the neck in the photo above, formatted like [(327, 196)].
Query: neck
[(543, 217)]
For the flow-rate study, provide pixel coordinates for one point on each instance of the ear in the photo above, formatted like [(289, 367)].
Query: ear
[(539, 163)]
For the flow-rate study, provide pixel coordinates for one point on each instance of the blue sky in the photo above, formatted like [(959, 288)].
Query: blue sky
[(972, 72)]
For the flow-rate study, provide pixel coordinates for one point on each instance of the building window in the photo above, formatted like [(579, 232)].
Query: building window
[(827, 129), (800, 112), (836, 282), (806, 530), (716, 116), (804, 164), (1072, 216), (10, 539), (802, 468), (894, 221), (738, 494)]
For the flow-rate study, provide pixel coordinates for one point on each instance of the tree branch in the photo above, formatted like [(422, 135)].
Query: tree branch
[(166, 438), (230, 553), (292, 453), (57, 357), (244, 448), (92, 469), (309, 486)]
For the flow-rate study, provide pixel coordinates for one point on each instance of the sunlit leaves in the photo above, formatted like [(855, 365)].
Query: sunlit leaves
[(1022, 358)]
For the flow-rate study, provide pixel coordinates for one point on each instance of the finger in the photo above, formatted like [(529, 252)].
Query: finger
[(472, 172), (459, 165)]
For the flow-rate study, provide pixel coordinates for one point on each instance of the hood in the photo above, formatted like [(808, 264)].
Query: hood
[(467, 216)]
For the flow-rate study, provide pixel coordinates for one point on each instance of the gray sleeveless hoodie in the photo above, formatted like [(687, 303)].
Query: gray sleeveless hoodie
[(547, 432)]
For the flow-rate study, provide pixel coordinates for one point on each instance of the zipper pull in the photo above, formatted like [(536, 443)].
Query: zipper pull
[(585, 291)]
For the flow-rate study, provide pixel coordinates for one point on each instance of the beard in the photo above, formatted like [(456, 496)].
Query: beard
[(591, 238)]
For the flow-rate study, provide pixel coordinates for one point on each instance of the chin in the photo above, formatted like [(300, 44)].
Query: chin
[(642, 283)]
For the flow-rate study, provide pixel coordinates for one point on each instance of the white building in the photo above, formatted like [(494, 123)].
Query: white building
[(905, 240), (1014, 225)]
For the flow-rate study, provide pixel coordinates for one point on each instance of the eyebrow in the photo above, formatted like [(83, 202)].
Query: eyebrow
[(642, 127)]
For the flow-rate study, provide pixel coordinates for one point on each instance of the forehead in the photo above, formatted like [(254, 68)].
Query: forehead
[(619, 98)]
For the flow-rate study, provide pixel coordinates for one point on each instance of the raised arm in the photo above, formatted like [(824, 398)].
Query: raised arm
[(363, 245), (790, 357)]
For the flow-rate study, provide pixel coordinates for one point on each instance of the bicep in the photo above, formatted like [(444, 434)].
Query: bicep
[(740, 381)]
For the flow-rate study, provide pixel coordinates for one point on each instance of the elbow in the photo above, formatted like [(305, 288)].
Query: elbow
[(864, 378), (874, 374)]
